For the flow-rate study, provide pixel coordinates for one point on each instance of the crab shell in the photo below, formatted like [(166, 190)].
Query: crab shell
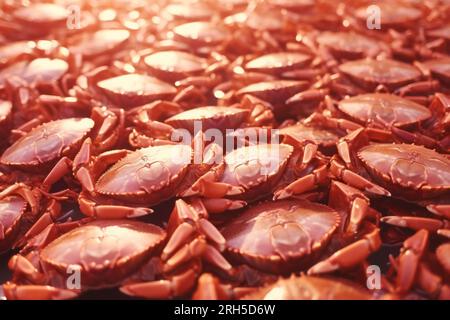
[(276, 91), (383, 110), (44, 145), (12, 209), (394, 15), (102, 42), (279, 62), (210, 117), (280, 236), (192, 11), (440, 68), (44, 16), (39, 71), (299, 133), (386, 72), (131, 90), (149, 175), (311, 288), (174, 65), (256, 168), (106, 251), (349, 45), (409, 171), (201, 33)]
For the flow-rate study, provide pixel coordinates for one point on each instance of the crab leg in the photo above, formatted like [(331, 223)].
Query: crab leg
[(303, 184), (210, 288), (185, 221), (350, 255), (110, 211), (208, 186), (442, 210), (36, 292), (417, 223), (355, 180), (409, 259), (163, 289), (219, 205)]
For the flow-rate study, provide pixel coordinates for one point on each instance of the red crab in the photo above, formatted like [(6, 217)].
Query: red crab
[(24, 212), (287, 65), (183, 67), (276, 93), (380, 75), (160, 120), (438, 68), (396, 15), (416, 267), (49, 148), (408, 171), (252, 172), (202, 36), (311, 288), (99, 45), (126, 246), (34, 20), (338, 46), (318, 129), (144, 177), (112, 87)]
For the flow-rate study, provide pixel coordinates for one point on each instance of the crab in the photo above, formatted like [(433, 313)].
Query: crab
[(284, 65), (173, 65), (416, 267), (275, 93), (410, 172), (191, 74), (54, 147), (26, 211), (42, 273), (359, 76), (99, 45), (395, 15), (318, 129), (145, 177), (112, 87), (161, 120), (333, 47), (311, 288), (260, 25), (201, 36), (34, 20), (438, 68), (249, 173)]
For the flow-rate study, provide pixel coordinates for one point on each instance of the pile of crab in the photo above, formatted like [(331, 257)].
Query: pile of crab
[(109, 188)]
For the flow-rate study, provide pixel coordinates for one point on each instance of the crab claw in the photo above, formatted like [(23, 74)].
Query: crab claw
[(416, 223), (186, 222), (408, 260), (36, 292), (177, 286), (210, 288), (350, 255)]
